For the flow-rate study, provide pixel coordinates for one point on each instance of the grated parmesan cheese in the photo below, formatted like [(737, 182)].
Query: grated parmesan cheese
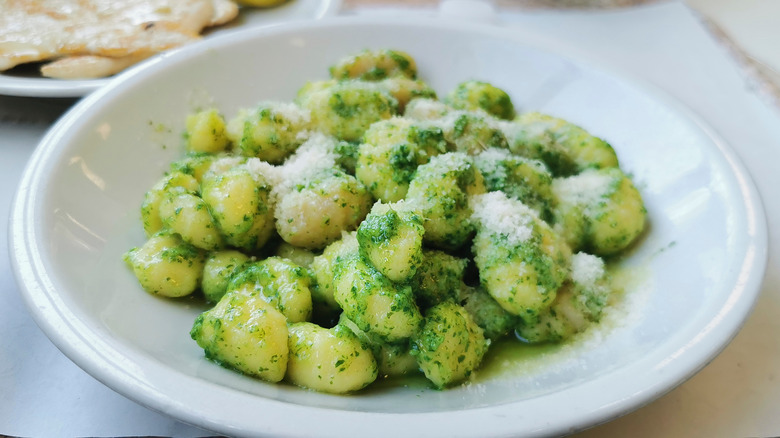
[(447, 121), (291, 112), (450, 162), (390, 85), (504, 216), (586, 269), (425, 109), (506, 127), (223, 164), (496, 154), (490, 162), (532, 130), (355, 84), (400, 206), (587, 188), (263, 172), (315, 155)]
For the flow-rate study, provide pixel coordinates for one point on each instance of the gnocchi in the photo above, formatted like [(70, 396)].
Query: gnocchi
[(269, 131), (441, 190), (450, 345), (391, 239), (367, 229), (246, 333), (478, 95), (329, 360), (166, 265)]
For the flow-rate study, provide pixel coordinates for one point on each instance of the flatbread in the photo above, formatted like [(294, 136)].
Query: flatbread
[(88, 66), (101, 35), (224, 12)]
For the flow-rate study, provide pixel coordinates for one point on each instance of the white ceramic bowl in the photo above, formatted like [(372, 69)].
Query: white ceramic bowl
[(696, 273)]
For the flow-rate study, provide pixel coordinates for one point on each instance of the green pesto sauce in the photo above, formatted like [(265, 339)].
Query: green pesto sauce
[(668, 246), (180, 254), (403, 161), (378, 229), (413, 380), (343, 109), (375, 74), (504, 358), (428, 138), (159, 127), (509, 356), (402, 61), (460, 126)]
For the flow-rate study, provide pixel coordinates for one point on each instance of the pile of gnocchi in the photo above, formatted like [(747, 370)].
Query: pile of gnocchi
[(369, 229)]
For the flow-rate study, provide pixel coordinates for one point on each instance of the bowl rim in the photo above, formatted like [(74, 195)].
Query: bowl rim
[(72, 337)]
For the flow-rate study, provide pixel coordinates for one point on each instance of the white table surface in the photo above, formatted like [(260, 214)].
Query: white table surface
[(737, 395)]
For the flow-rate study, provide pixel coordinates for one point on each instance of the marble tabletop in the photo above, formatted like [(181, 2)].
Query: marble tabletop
[(663, 43)]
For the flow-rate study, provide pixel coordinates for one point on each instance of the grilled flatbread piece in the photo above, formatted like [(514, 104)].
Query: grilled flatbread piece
[(88, 66), (100, 35)]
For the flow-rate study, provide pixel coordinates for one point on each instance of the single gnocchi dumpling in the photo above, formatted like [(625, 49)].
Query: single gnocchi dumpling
[(188, 216), (404, 90), (300, 256), (150, 208), (218, 270), (346, 109), (317, 200), (522, 262), (439, 278), (599, 210), (375, 65), (478, 95), (429, 109), (240, 203), (395, 359), (246, 333), (312, 87), (579, 303), (487, 313), (392, 358), (166, 265), (206, 132), (440, 190), (391, 239), (449, 346), (195, 164), (391, 152), (328, 360), (324, 268), (316, 212), (471, 132), (269, 132), (220, 164), (591, 285), (524, 179), (279, 281), (565, 147), (374, 303)]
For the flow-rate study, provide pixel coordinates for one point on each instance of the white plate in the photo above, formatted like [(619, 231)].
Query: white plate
[(696, 273), (29, 83)]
